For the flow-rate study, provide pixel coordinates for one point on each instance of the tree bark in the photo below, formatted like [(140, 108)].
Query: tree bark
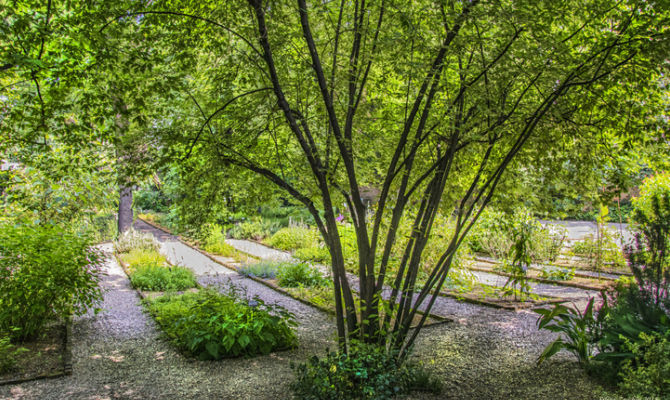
[(125, 215)]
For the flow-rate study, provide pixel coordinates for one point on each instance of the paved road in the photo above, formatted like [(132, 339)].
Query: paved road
[(580, 229)]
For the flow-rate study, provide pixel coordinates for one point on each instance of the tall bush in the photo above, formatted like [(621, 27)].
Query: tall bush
[(46, 273)]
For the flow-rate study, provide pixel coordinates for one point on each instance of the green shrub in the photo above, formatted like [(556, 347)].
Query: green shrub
[(211, 325), (647, 374), (315, 254), (8, 354), (577, 328), (160, 278), (649, 259), (215, 241), (300, 274), (293, 238), (557, 274), (135, 240), (366, 372), (46, 273), (262, 269)]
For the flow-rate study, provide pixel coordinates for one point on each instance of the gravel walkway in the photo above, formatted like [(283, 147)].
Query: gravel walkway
[(119, 354)]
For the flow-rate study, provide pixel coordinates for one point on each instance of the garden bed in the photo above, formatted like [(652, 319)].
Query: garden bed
[(533, 275), (309, 296), (479, 296), (48, 356)]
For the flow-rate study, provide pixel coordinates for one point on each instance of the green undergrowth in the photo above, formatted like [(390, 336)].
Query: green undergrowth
[(215, 242), (210, 325), (365, 372), (162, 278)]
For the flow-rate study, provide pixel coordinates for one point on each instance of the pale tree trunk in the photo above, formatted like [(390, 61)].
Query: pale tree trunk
[(125, 208)]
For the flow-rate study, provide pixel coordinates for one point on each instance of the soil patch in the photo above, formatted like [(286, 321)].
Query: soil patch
[(47, 357)]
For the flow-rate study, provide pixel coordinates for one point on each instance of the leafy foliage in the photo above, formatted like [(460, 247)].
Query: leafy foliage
[(293, 238), (215, 241), (576, 326), (257, 229), (45, 273), (557, 273), (649, 260), (210, 325), (161, 278), (647, 374), (366, 372), (300, 274), (8, 353)]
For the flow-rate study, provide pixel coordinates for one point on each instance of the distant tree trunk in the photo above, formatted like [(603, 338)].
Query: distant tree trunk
[(125, 208)]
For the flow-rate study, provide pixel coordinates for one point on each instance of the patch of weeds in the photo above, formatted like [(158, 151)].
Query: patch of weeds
[(8, 354), (135, 240), (160, 278), (211, 325), (263, 269)]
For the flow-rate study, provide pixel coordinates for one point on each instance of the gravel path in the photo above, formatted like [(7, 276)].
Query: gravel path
[(119, 354)]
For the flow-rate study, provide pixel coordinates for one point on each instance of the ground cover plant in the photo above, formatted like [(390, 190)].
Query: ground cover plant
[(162, 278), (46, 274), (365, 372), (210, 325)]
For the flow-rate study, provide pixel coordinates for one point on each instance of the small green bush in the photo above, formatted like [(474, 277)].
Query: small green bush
[(135, 240), (262, 269), (8, 354), (293, 238), (210, 325), (648, 373), (160, 278), (557, 274), (367, 372), (300, 274), (315, 254), (46, 273), (215, 242)]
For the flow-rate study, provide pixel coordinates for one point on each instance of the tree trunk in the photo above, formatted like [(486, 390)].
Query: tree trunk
[(125, 208)]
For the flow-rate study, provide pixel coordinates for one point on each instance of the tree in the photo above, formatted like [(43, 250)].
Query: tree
[(429, 102)]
